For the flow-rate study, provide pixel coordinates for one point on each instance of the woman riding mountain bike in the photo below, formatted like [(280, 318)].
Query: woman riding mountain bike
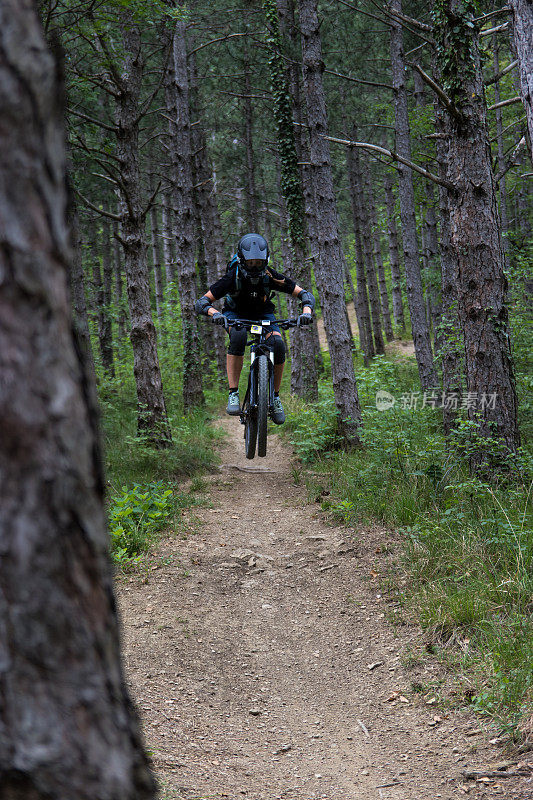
[(246, 288)]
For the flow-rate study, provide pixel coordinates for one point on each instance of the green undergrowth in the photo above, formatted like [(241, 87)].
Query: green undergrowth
[(466, 553), (148, 488)]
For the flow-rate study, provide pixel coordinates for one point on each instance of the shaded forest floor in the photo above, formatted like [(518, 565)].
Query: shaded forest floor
[(265, 663)]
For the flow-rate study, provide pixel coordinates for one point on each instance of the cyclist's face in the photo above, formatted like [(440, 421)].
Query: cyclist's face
[(255, 264)]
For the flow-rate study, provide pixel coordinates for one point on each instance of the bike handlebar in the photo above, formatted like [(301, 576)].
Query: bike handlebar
[(247, 323)]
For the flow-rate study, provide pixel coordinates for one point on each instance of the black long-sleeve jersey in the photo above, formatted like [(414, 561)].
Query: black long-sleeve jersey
[(246, 298)]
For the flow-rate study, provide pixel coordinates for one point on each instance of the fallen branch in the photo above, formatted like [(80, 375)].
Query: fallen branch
[(474, 776)]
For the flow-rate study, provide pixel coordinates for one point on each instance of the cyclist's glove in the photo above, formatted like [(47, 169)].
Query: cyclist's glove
[(304, 319), (219, 319)]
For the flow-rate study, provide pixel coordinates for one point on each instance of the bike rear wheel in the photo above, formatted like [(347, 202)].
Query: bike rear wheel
[(262, 405), (250, 427)]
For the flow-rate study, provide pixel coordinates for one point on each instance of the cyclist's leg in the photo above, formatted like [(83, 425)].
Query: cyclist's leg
[(235, 356), (278, 346)]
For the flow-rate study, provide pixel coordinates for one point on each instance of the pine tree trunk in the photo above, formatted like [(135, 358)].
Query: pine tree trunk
[(383, 293), (152, 415), (475, 237), (206, 204), (77, 291), (67, 724), (168, 240), (502, 189), (368, 251), (251, 191), (451, 344), (415, 294), (303, 362), (328, 267), (523, 38), (107, 287), (365, 328), (177, 94), (96, 286), (397, 300), (156, 252), (119, 299)]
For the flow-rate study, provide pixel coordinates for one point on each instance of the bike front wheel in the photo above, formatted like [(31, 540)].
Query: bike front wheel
[(250, 427), (262, 405)]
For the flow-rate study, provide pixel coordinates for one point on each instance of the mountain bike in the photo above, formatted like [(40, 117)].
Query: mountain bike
[(259, 398)]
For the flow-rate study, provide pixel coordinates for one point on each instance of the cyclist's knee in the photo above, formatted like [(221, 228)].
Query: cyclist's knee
[(278, 346), (237, 342)]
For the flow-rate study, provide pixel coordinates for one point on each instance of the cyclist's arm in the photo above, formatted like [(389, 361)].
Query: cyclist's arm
[(307, 309), (210, 296), (221, 287)]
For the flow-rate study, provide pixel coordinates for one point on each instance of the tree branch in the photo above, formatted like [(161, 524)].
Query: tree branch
[(441, 94), (514, 160), (110, 128), (221, 39), (151, 200), (497, 29), (503, 103), (359, 80), (374, 148), (109, 214), (501, 73)]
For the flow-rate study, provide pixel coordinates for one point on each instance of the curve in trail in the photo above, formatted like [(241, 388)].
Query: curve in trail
[(263, 664)]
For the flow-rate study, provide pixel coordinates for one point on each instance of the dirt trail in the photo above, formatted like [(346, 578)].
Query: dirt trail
[(397, 347), (262, 662)]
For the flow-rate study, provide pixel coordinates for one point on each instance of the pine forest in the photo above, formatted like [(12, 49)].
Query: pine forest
[(349, 614)]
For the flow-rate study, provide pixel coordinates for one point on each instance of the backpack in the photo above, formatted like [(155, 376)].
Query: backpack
[(231, 298)]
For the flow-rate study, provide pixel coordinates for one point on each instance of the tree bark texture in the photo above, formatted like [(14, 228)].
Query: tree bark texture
[(168, 239), (394, 255), (77, 292), (368, 252), (177, 93), (155, 241), (206, 208), (67, 725), (251, 188), (152, 413), (451, 343), (303, 363), (363, 313), (328, 266), (117, 269), (475, 235), (523, 38), (107, 287), (502, 186), (415, 294), (378, 259)]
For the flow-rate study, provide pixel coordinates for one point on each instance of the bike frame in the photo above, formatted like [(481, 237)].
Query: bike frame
[(259, 346)]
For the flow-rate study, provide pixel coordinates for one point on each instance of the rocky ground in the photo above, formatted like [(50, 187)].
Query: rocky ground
[(266, 663)]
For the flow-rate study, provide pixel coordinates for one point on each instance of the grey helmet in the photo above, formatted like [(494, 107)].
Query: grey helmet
[(253, 256)]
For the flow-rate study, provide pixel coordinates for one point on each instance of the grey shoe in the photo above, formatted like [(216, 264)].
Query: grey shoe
[(234, 407), (278, 414)]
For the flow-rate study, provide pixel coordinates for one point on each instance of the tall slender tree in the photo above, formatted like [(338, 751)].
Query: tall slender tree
[(415, 294), (177, 100), (475, 229), (328, 267), (67, 724)]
